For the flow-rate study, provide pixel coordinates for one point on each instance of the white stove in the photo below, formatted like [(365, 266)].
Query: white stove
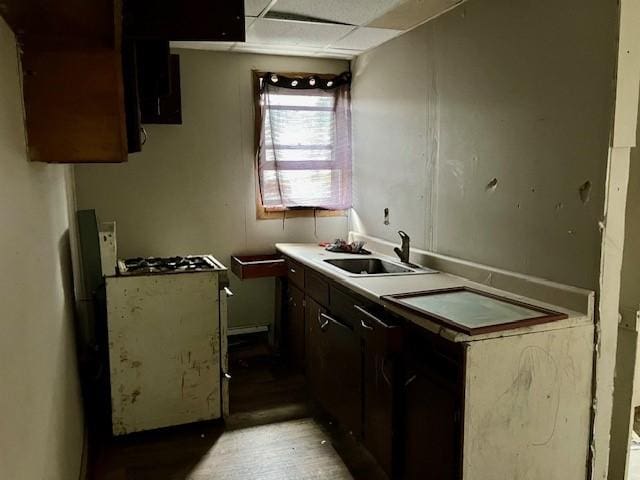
[(167, 341)]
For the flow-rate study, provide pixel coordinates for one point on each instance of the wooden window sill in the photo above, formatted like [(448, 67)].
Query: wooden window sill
[(264, 214)]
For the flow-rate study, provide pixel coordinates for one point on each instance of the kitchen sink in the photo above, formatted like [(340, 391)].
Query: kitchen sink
[(373, 266)]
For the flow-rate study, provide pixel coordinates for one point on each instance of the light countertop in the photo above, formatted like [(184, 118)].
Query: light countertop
[(375, 287)]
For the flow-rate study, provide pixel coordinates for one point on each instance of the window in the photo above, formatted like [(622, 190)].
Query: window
[(304, 142)]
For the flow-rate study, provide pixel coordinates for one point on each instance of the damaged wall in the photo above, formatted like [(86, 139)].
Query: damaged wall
[(485, 133), (192, 189), (41, 426)]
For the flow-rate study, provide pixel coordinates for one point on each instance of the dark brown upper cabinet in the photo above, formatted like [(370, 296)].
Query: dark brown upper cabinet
[(87, 88), (72, 24), (190, 20), (161, 103)]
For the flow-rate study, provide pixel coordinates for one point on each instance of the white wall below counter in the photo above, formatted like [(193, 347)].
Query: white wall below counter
[(192, 190)]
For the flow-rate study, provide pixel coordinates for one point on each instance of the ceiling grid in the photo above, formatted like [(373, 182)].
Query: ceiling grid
[(340, 29)]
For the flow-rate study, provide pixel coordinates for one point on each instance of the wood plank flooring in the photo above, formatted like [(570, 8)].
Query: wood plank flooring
[(270, 435)]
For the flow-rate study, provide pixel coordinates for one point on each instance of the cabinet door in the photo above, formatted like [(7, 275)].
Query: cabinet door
[(294, 331), (74, 106), (432, 423), (381, 344), (315, 358), (336, 367)]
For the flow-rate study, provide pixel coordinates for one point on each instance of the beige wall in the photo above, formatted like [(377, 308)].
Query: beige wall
[(191, 190), (520, 92), (41, 426)]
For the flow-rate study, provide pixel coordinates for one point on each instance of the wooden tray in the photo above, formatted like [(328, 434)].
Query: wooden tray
[(459, 315), (258, 266)]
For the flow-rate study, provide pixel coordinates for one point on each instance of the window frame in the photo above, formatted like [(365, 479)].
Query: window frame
[(267, 213)]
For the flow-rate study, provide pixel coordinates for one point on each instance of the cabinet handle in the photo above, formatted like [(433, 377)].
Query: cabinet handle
[(228, 292), (410, 380), (375, 319), (364, 325), (384, 374), (337, 323), (292, 270), (322, 321), (143, 134)]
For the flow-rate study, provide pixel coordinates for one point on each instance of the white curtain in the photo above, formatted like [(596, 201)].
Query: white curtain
[(304, 156)]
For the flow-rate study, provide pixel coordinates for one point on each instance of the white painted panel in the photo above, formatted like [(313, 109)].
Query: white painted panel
[(215, 46), (442, 110), (164, 350), (365, 38), (283, 32), (253, 8), (528, 406), (354, 12), (628, 76), (108, 248)]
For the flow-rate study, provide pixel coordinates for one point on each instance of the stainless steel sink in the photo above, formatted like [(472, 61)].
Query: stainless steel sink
[(373, 266)]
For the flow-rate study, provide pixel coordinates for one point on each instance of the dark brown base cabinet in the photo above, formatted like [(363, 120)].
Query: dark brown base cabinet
[(431, 408), (495, 406), (396, 390)]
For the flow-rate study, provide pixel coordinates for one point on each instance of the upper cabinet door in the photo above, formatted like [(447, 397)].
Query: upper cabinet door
[(74, 106), (195, 20)]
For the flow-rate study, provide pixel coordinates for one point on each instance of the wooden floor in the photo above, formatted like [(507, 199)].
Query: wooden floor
[(270, 435)]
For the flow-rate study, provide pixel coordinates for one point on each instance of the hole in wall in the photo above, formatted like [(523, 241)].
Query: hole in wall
[(585, 191), (492, 185)]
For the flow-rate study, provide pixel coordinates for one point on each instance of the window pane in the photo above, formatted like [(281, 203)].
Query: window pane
[(304, 188), (313, 154), (298, 127)]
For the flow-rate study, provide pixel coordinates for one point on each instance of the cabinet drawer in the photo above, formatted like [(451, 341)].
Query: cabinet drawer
[(343, 305), (317, 287), (295, 273)]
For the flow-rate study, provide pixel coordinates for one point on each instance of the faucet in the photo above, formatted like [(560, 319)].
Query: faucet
[(403, 252)]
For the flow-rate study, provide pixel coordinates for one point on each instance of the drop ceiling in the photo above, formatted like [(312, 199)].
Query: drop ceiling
[(325, 28)]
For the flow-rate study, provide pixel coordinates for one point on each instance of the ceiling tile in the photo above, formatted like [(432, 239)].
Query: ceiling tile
[(412, 13), (293, 33), (353, 12), (365, 38), (253, 8)]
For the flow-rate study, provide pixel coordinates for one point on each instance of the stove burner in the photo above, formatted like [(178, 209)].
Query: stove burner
[(166, 264)]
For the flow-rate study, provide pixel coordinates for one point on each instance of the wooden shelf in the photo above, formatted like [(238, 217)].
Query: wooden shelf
[(258, 266)]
